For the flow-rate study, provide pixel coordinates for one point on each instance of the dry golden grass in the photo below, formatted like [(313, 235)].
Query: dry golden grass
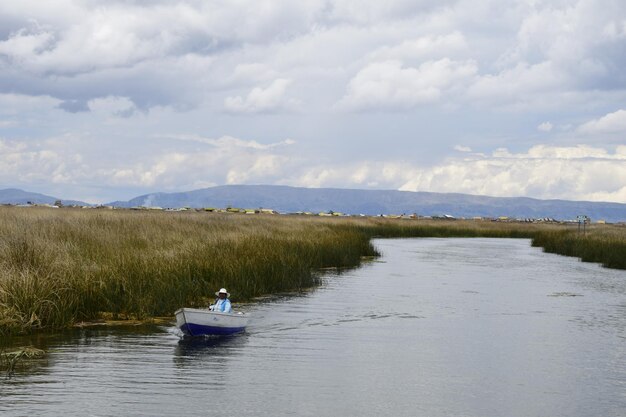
[(605, 244), (63, 266)]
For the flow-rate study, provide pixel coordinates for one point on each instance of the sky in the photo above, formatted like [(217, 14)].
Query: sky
[(107, 100)]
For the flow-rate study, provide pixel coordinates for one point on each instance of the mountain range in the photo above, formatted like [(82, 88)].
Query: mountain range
[(352, 201), (17, 196)]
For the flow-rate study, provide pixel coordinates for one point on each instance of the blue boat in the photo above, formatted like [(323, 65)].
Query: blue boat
[(204, 322)]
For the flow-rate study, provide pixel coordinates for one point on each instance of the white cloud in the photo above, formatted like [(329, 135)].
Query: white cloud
[(224, 160), (112, 105), (227, 160), (7, 123), (518, 84), (363, 174), (572, 173), (389, 85), (232, 142), (185, 52), (105, 38), (19, 104), (123, 34), (562, 54), (261, 100), (245, 72), (545, 127), (21, 163), (372, 12), (615, 30), (25, 43), (425, 47), (611, 123), (462, 148)]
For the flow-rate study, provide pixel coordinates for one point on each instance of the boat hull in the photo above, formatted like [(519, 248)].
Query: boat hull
[(197, 322)]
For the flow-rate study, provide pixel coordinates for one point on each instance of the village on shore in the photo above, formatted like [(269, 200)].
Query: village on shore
[(330, 213)]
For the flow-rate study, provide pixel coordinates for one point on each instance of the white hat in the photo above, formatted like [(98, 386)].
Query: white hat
[(223, 291)]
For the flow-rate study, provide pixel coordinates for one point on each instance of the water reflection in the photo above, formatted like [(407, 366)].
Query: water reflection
[(192, 348), (205, 360)]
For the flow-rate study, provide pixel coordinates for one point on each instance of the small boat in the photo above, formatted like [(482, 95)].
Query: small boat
[(201, 322)]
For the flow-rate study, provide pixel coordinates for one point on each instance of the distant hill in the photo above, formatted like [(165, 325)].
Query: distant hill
[(374, 202), (16, 196)]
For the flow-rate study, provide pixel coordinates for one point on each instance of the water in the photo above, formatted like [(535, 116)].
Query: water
[(436, 327)]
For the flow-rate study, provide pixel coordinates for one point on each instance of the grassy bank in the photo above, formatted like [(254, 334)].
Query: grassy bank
[(59, 267), (601, 244)]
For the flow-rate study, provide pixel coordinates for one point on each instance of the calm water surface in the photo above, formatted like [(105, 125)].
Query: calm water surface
[(436, 327)]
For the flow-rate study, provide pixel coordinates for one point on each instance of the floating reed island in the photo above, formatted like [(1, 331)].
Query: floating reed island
[(60, 267)]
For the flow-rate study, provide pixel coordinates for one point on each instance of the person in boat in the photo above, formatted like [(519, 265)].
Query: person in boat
[(222, 303)]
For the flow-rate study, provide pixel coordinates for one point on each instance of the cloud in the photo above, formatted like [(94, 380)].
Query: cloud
[(572, 173), (546, 172), (361, 174), (545, 127), (157, 53), (518, 84), (561, 49), (225, 160), (21, 163), (262, 100), (74, 106), (186, 53), (425, 47), (611, 123), (578, 38), (20, 104), (232, 142), (7, 123), (125, 33), (20, 112), (228, 161), (372, 12), (113, 106), (390, 85), (25, 43), (462, 148)]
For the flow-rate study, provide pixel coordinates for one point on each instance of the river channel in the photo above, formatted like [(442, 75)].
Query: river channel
[(434, 327)]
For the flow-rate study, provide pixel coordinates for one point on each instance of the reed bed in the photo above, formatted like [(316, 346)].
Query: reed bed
[(602, 244), (393, 228), (60, 267)]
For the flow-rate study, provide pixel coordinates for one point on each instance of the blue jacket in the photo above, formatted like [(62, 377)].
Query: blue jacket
[(223, 306)]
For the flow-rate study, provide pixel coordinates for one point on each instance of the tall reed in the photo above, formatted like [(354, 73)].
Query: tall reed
[(62, 266), (602, 245)]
